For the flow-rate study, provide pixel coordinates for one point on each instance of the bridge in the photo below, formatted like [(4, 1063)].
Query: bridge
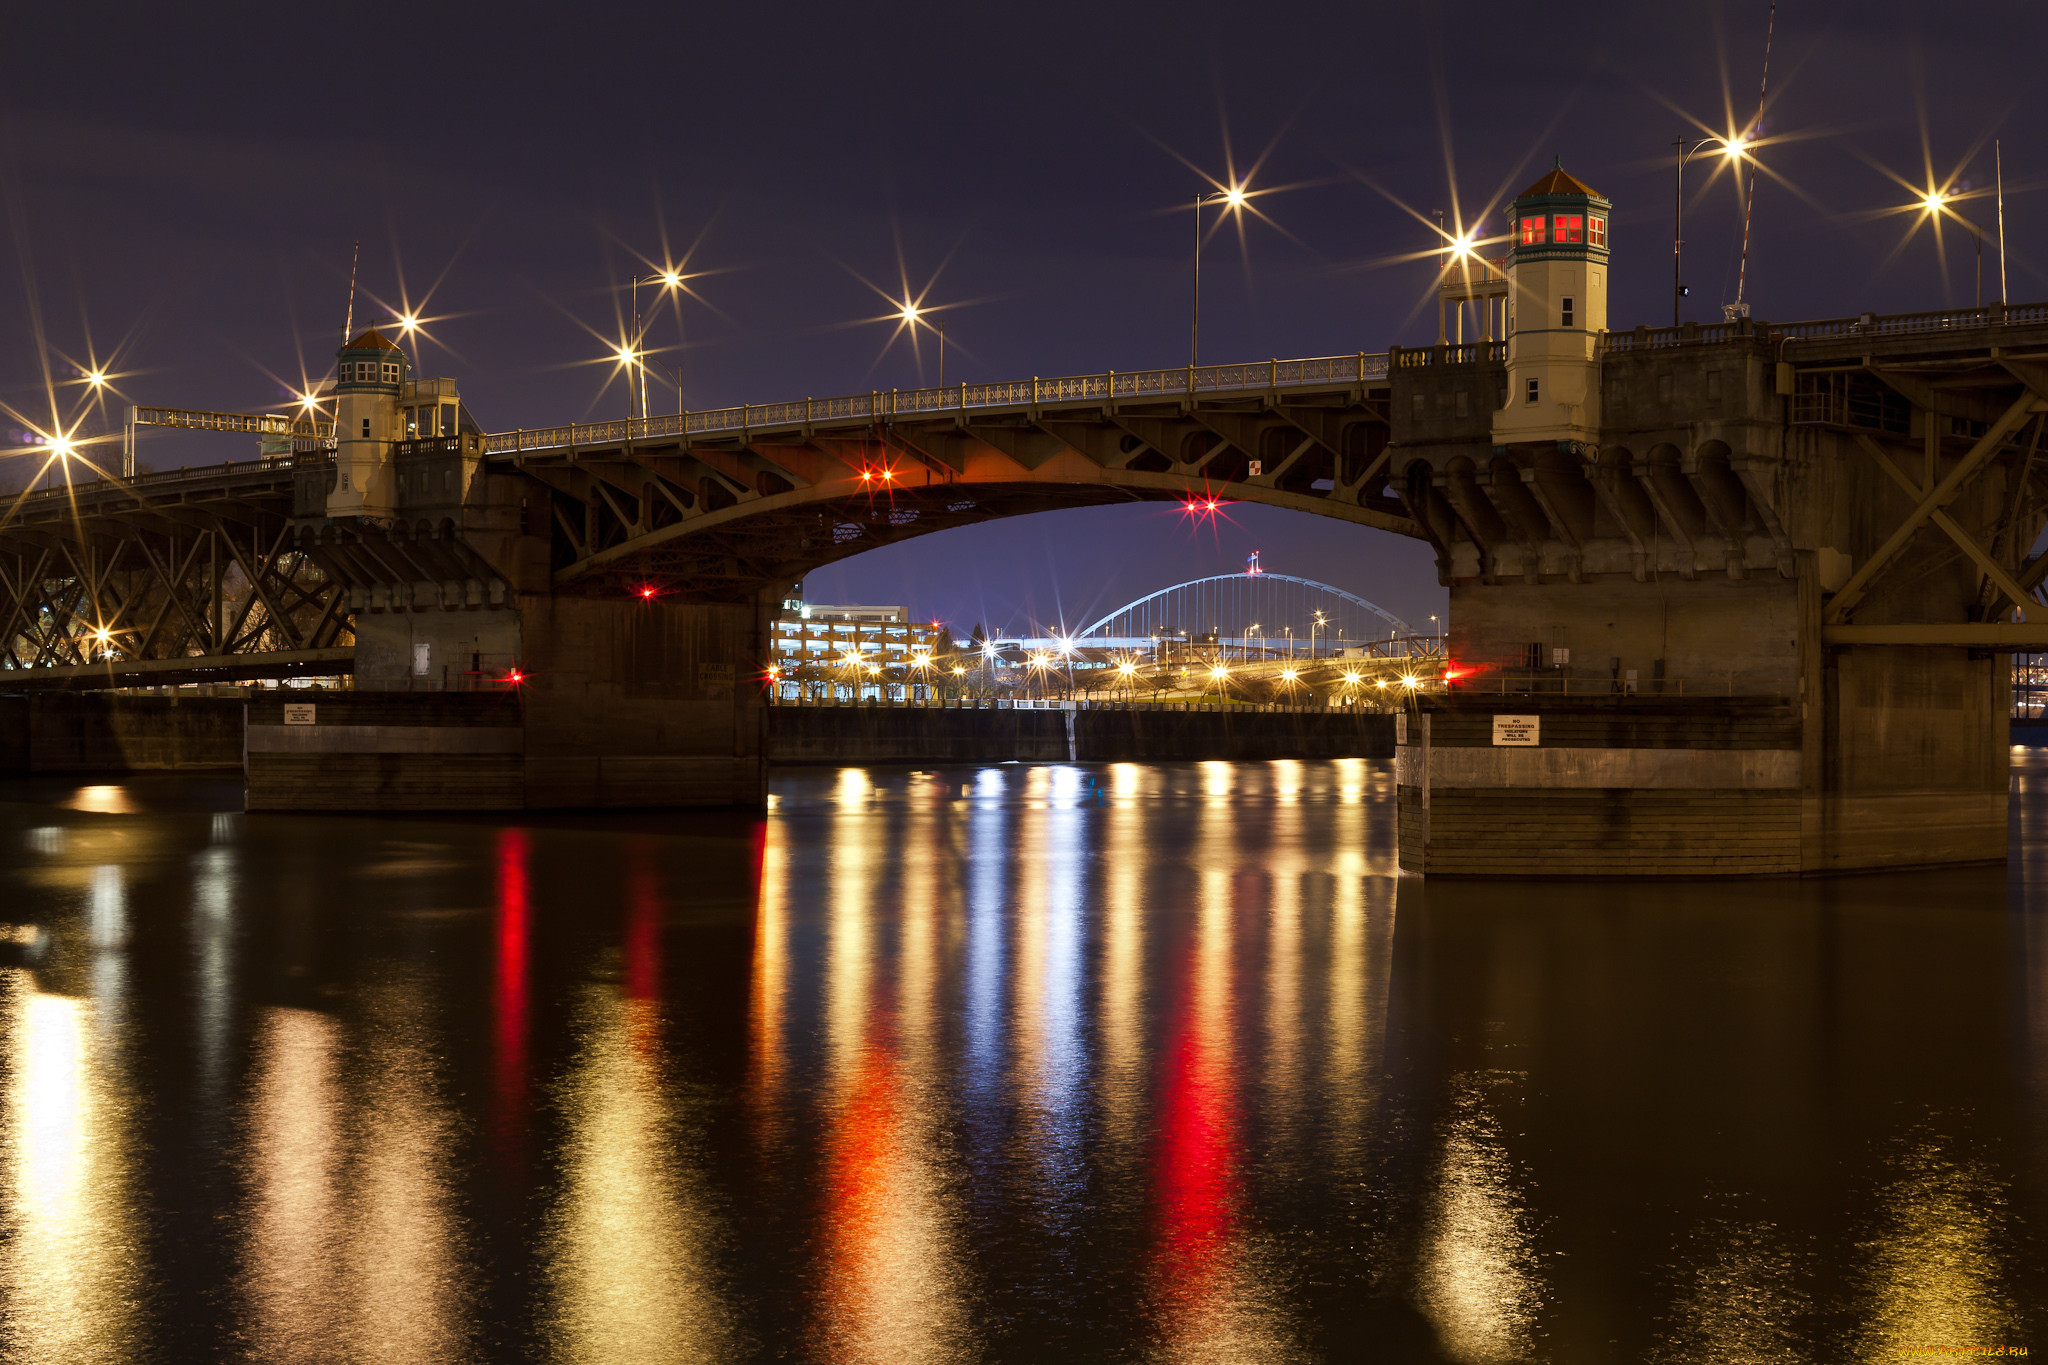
[(1756, 581)]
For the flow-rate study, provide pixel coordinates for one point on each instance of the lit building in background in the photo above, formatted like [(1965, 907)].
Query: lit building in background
[(822, 634)]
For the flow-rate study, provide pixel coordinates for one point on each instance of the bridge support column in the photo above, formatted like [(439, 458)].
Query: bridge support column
[(601, 704), (644, 702), (1601, 748)]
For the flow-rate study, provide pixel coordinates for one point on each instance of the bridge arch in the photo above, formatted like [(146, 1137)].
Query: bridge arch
[(725, 504), (1231, 604)]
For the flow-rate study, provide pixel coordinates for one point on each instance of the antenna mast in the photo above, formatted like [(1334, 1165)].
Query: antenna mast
[(1998, 162), (348, 324), (1741, 308)]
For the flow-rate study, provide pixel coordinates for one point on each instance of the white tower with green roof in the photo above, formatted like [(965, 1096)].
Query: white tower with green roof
[(1557, 310)]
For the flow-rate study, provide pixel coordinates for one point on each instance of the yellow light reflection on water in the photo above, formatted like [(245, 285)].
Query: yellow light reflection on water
[(890, 1239), (72, 1260), (298, 1304), (1933, 1274), (631, 1250), (1478, 1278), (101, 800), (352, 1251)]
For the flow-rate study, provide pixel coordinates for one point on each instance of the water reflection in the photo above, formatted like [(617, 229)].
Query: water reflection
[(999, 1063), (1478, 1274), (1933, 1270), (634, 1245), (74, 1254)]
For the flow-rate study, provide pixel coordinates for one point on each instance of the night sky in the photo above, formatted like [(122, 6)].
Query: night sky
[(183, 186)]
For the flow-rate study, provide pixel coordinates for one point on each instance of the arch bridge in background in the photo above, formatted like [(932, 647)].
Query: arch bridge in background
[(1260, 606)]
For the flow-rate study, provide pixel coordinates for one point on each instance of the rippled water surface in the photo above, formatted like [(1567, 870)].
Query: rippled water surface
[(1007, 1064)]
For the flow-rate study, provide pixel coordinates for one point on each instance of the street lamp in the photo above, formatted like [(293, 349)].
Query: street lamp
[(1317, 623), (1732, 148), (1232, 198)]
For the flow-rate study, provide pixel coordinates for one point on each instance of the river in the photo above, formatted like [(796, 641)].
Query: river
[(1012, 1063)]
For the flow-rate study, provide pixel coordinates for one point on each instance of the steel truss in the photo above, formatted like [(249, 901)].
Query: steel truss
[(730, 515), (114, 581)]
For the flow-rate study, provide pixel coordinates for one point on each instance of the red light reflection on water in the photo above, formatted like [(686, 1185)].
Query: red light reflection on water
[(513, 933), (1196, 1155)]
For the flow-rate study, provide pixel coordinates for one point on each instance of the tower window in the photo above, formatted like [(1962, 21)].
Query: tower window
[(1596, 231), (1565, 313), (1568, 227), (1532, 231), (366, 423), (1534, 391)]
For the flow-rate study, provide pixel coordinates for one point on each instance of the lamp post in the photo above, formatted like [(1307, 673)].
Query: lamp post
[(1234, 198), (1316, 623), (1683, 152), (667, 279)]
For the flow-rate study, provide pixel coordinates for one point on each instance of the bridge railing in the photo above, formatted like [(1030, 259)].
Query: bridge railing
[(141, 483), (883, 405), (1827, 329)]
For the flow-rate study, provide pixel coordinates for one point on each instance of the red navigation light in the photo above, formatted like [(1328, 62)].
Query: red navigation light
[(646, 590), (515, 677)]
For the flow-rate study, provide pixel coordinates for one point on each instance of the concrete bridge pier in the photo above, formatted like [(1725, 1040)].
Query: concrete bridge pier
[(595, 704), (1725, 598)]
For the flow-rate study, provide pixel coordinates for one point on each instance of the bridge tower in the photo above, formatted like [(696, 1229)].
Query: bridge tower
[(1734, 597), (369, 374), (1557, 309)]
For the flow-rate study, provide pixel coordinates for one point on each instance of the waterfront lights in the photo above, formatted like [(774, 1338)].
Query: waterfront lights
[(958, 671), (671, 279), (1350, 679), (1408, 681), (1219, 671), (1288, 675), (96, 378)]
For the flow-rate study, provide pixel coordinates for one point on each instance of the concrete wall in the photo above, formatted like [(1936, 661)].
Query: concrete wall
[(87, 732), (879, 734), (388, 751), (644, 703), (1617, 786)]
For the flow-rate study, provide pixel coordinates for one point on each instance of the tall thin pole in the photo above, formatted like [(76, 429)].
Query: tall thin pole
[(1195, 334), (1749, 202), (634, 387), (348, 323), (1677, 223), (1998, 163), (941, 326)]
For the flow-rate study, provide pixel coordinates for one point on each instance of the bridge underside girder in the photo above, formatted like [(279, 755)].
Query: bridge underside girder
[(721, 518)]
